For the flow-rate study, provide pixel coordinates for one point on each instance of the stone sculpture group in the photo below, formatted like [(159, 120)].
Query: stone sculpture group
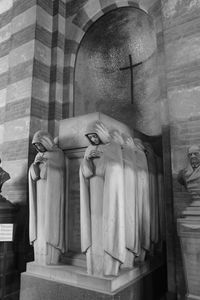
[(121, 213)]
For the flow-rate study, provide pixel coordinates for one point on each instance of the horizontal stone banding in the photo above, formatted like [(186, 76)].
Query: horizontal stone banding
[(15, 150)]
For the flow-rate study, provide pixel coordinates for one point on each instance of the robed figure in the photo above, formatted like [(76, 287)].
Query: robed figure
[(46, 200), (102, 204), (161, 200), (143, 200), (154, 197), (132, 238), (131, 201)]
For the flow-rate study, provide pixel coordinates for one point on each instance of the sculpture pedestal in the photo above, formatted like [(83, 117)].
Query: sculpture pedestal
[(189, 233), (71, 282)]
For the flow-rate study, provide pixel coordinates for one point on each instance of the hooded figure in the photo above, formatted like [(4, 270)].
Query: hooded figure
[(46, 200), (102, 204)]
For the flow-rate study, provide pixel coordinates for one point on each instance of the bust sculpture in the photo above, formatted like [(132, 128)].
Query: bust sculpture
[(190, 175), (46, 200), (4, 176)]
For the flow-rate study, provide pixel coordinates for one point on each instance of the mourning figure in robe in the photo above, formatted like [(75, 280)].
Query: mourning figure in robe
[(160, 177), (102, 203), (130, 198), (190, 175), (143, 200), (153, 191), (46, 200)]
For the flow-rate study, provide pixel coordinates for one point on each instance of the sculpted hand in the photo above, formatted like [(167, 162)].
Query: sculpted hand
[(117, 138), (103, 132), (130, 142), (94, 154), (38, 159)]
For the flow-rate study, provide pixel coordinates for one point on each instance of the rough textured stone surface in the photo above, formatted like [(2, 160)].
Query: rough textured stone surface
[(102, 86)]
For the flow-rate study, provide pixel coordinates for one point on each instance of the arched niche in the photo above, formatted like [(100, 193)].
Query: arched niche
[(99, 82)]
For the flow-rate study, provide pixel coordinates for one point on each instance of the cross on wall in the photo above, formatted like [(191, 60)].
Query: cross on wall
[(131, 66)]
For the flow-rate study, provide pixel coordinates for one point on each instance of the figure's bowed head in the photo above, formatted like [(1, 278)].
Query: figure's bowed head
[(93, 138), (39, 147)]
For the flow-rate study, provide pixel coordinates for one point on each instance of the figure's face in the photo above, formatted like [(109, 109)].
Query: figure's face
[(194, 157), (94, 139), (39, 147)]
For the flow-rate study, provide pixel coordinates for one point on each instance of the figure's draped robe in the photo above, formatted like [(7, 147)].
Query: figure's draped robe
[(153, 191), (102, 210), (46, 206), (161, 199), (131, 205), (143, 203)]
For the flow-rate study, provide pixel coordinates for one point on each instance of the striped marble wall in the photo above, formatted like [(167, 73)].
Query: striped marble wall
[(32, 44), (182, 49), (47, 91), (16, 66), (154, 8)]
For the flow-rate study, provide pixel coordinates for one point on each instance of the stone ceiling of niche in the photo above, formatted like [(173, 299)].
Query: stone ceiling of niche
[(120, 26), (101, 85)]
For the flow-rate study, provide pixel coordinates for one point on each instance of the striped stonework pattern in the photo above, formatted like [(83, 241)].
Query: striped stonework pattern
[(47, 94), (154, 9), (182, 50), (17, 33)]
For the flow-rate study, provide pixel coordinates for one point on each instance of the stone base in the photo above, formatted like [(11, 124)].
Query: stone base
[(192, 297), (189, 232), (146, 281)]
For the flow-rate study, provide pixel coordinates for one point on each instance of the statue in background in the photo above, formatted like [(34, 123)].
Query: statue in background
[(46, 200), (102, 204), (4, 176), (190, 175)]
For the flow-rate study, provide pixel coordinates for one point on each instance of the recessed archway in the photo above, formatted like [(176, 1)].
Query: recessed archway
[(101, 84)]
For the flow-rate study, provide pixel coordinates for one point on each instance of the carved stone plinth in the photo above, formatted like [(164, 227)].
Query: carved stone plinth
[(189, 232), (71, 282)]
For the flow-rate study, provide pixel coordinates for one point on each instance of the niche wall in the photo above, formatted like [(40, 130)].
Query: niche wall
[(101, 84)]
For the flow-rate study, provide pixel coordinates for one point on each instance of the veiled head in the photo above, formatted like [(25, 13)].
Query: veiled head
[(43, 141), (93, 138)]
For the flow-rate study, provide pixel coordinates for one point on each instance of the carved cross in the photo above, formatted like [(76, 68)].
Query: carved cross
[(131, 66)]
